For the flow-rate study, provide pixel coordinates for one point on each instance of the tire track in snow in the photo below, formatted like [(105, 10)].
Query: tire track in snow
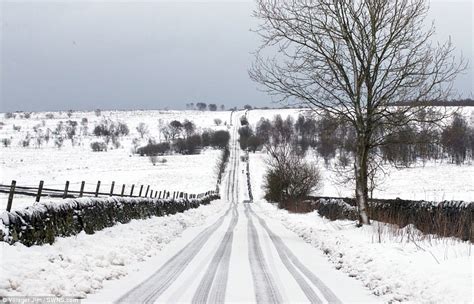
[(212, 287), (218, 270), (291, 261), (266, 290), (149, 290)]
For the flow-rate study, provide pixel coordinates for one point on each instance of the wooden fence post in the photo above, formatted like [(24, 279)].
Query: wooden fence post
[(131, 190), (81, 192), (156, 193), (141, 189), (151, 193), (147, 189), (10, 196), (40, 189), (112, 188), (123, 190), (159, 195), (66, 188), (97, 189)]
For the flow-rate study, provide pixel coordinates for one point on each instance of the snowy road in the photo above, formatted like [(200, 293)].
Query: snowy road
[(240, 256)]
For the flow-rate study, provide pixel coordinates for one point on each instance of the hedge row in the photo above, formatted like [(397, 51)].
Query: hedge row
[(447, 218), (42, 223)]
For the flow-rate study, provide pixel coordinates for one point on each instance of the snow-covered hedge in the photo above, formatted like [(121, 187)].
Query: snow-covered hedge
[(447, 218), (41, 223)]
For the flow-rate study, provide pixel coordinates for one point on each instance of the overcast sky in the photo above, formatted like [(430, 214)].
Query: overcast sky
[(60, 55)]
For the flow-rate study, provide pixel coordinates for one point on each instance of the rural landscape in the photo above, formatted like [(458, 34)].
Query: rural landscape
[(354, 184)]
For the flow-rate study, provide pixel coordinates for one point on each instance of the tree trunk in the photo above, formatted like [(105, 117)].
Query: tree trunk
[(361, 176)]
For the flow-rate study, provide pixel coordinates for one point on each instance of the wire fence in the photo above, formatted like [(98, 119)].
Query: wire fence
[(123, 190)]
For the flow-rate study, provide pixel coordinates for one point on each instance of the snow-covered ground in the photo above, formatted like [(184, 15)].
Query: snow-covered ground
[(190, 173), (29, 165), (433, 181), (82, 264), (214, 246), (406, 267)]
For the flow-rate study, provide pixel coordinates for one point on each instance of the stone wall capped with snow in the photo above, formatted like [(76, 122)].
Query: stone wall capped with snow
[(447, 218), (43, 222)]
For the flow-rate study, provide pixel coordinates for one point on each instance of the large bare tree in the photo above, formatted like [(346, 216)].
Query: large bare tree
[(355, 59)]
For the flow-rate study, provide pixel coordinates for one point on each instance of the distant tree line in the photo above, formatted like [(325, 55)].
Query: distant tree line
[(333, 139), (182, 138), (201, 106)]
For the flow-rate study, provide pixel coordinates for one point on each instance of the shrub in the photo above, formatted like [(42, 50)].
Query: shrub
[(253, 143), (193, 143), (110, 129), (101, 130), (97, 112), (25, 142), (27, 115), (220, 139), (212, 107), (9, 115), (244, 121), (59, 142), (455, 140), (154, 149), (222, 163), (189, 127), (245, 132), (49, 116), (218, 121), (289, 179), (6, 142), (16, 128), (121, 129), (206, 138), (98, 146), (142, 129)]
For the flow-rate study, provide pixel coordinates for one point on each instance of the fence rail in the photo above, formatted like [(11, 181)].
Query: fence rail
[(41, 191)]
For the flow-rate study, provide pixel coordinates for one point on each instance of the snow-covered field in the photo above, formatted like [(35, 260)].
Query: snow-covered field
[(406, 267), (29, 165), (193, 173), (430, 181)]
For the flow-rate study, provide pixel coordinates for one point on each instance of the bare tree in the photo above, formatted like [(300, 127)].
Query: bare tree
[(355, 60), (142, 129)]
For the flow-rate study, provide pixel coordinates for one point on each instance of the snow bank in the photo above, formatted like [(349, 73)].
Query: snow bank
[(428, 271), (79, 265), (42, 223)]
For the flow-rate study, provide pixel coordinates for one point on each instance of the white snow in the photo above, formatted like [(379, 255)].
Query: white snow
[(82, 264), (429, 269), (188, 173), (432, 182), (435, 271)]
